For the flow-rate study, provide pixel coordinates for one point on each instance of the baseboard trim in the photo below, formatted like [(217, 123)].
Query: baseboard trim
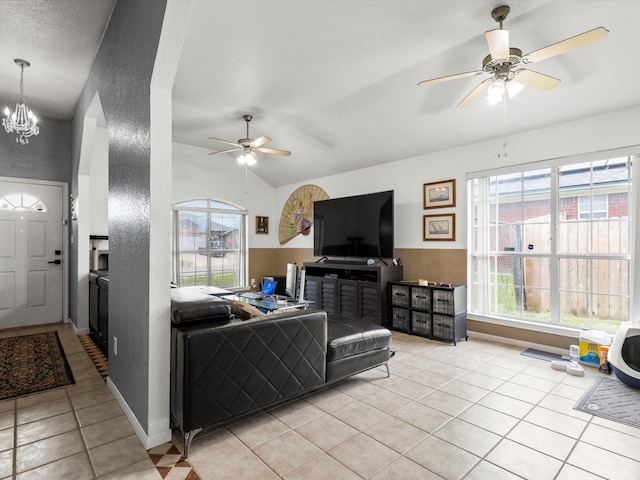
[(78, 331), (514, 342), (147, 441)]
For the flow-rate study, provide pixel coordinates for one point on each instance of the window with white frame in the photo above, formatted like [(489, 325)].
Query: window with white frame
[(552, 244), (210, 244), (595, 206)]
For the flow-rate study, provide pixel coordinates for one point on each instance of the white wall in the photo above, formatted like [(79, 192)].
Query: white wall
[(406, 177), (197, 175), (99, 186)]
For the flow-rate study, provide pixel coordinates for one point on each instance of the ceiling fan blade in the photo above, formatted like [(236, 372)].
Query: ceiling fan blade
[(475, 92), (582, 40), (274, 150), (225, 141), (535, 79), (226, 151), (498, 41), (451, 77), (254, 155), (259, 141)]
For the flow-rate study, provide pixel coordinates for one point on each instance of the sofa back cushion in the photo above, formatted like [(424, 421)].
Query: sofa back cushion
[(191, 307)]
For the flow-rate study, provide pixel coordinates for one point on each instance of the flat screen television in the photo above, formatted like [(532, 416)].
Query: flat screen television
[(360, 226)]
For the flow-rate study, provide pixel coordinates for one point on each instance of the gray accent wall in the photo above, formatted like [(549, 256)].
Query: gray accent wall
[(121, 74), (47, 156)]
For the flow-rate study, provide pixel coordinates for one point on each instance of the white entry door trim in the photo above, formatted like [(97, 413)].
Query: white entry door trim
[(23, 183)]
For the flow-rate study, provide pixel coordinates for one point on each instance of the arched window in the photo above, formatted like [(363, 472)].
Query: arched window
[(210, 244), (23, 202)]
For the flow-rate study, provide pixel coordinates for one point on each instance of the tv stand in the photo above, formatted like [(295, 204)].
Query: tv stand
[(350, 289)]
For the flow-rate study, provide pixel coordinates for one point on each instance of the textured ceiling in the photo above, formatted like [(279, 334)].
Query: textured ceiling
[(60, 39), (335, 81)]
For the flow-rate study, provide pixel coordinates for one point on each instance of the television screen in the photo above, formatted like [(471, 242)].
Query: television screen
[(360, 226)]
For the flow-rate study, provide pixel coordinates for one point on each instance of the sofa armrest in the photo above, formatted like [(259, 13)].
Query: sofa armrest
[(190, 307)]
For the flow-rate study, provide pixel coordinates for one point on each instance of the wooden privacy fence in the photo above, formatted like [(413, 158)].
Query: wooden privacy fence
[(606, 279)]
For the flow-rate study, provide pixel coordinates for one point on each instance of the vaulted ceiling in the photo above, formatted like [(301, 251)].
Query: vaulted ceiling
[(335, 82)]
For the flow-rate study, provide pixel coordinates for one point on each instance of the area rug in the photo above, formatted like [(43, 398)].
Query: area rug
[(32, 363), (611, 399)]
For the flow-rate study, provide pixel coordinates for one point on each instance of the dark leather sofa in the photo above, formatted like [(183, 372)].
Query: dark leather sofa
[(223, 368)]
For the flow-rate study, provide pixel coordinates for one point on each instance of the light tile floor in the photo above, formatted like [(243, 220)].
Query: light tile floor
[(76, 432), (478, 411)]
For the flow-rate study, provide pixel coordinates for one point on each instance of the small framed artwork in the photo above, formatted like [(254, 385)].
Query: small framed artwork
[(440, 227), (262, 224), (440, 194)]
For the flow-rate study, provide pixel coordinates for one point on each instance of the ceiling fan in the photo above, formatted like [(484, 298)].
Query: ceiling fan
[(503, 62), (249, 146)]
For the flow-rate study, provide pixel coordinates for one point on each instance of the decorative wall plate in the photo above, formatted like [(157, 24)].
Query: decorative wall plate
[(297, 213)]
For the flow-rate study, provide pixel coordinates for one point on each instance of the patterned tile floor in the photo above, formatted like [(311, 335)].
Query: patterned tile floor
[(171, 464), (167, 458), (95, 354)]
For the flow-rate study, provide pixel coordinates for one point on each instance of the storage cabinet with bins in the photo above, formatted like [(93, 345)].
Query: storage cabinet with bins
[(350, 290), (436, 312)]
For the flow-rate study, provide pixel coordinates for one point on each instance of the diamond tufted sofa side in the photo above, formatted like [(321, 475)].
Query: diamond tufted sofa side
[(220, 371)]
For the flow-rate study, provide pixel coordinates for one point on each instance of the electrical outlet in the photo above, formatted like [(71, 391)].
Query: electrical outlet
[(115, 346), (253, 282)]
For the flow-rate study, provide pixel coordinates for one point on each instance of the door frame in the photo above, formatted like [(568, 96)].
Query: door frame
[(65, 234)]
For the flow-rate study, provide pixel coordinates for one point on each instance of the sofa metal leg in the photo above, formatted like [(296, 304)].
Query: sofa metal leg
[(188, 438), (386, 364)]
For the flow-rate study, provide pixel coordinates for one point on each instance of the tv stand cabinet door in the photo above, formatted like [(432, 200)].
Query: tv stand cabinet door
[(322, 293), (370, 302), (348, 294)]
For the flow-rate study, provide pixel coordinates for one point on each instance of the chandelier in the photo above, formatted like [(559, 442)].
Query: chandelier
[(22, 120)]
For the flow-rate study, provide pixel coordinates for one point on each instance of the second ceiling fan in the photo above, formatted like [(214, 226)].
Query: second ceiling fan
[(503, 62), (249, 146)]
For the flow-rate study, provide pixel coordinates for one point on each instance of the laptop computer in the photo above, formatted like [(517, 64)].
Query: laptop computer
[(268, 287)]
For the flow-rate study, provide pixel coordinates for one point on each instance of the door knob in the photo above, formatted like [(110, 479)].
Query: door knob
[(56, 262)]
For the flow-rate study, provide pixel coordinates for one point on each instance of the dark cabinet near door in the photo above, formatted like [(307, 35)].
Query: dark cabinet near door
[(99, 308), (436, 312)]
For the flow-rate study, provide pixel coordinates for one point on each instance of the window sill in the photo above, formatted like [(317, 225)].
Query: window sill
[(570, 332)]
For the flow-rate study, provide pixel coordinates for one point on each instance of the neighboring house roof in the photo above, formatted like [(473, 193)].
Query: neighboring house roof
[(539, 181)]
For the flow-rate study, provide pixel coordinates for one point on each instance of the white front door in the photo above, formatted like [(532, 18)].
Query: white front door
[(31, 254)]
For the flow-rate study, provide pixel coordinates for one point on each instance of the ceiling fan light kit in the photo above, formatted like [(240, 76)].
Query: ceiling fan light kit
[(503, 62), (247, 159)]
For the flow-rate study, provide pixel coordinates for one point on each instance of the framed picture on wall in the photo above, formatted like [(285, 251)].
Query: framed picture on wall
[(439, 227), (440, 194), (262, 224)]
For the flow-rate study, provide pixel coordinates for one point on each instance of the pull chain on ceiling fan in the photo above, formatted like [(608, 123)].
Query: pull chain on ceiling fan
[(503, 62), (249, 146)]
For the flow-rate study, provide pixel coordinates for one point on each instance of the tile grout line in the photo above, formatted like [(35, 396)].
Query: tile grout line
[(98, 359), (14, 466), (84, 442)]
